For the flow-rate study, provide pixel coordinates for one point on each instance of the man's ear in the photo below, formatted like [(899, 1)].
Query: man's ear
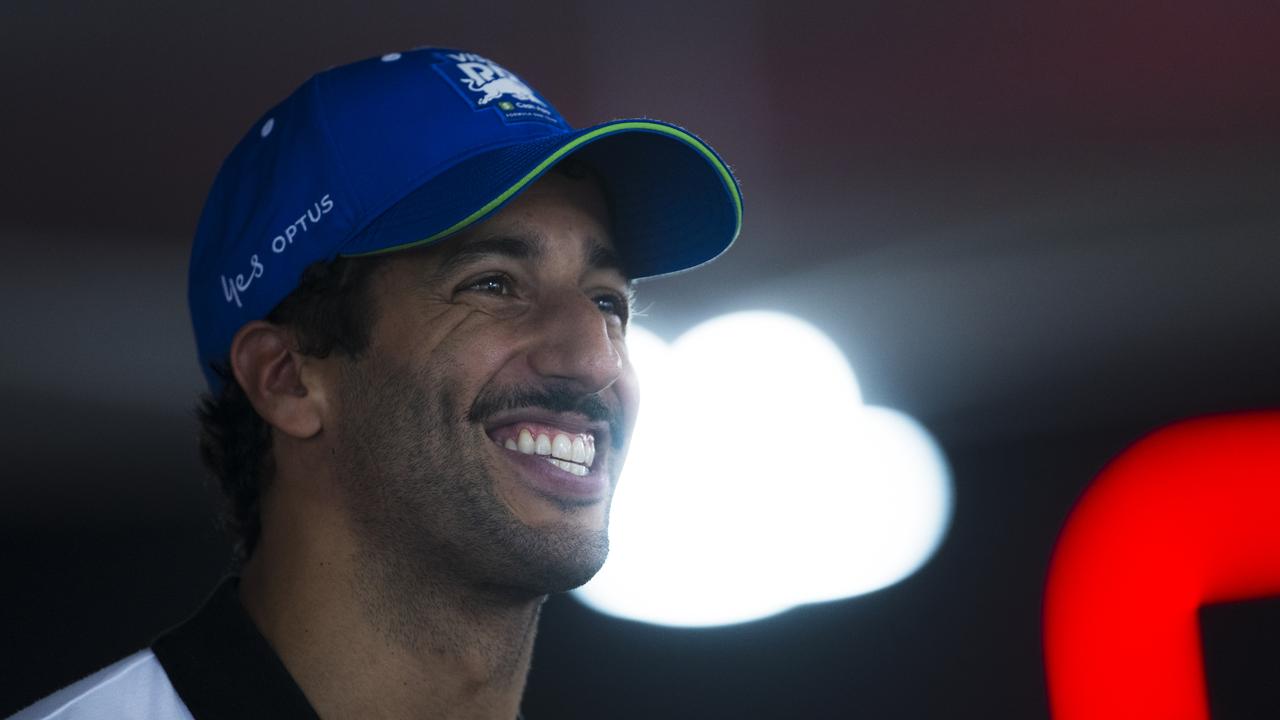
[(270, 372)]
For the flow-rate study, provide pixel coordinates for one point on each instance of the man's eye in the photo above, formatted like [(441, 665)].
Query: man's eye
[(614, 305), (493, 285)]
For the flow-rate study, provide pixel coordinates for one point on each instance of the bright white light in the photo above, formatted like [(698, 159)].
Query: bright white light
[(758, 481)]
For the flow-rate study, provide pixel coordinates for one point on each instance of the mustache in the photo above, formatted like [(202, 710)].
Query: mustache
[(553, 398)]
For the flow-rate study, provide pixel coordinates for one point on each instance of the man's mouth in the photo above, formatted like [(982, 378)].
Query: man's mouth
[(572, 452)]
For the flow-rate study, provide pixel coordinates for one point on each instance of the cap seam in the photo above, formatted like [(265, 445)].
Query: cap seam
[(323, 122)]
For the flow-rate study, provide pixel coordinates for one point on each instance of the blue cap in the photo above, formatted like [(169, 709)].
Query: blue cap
[(410, 148)]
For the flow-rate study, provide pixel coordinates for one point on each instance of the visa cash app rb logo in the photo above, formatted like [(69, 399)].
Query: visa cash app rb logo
[(486, 84)]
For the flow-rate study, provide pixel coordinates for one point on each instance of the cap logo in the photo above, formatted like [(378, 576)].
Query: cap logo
[(234, 286), (494, 82), (486, 84)]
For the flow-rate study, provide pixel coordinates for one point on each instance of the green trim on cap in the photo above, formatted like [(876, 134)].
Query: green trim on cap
[(554, 157)]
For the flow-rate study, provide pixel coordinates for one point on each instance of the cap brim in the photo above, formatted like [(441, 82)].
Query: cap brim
[(676, 205)]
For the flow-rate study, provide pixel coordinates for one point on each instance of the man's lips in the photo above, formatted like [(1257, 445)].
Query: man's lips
[(569, 422)]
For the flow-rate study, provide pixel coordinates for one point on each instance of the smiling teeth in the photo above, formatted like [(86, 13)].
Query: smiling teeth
[(561, 447), (574, 468), (573, 454)]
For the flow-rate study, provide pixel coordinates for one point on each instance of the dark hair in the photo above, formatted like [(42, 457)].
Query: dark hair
[(331, 309)]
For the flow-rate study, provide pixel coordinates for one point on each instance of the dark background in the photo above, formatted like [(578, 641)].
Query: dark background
[(1042, 228)]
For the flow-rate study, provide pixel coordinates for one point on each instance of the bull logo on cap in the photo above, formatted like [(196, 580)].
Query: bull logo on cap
[(483, 76)]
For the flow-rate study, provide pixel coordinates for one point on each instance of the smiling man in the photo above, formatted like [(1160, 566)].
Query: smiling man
[(410, 289)]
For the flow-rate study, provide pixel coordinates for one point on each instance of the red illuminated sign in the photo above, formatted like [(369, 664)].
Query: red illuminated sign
[(1188, 516)]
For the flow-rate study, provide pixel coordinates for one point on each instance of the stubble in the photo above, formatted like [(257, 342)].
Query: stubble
[(433, 536)]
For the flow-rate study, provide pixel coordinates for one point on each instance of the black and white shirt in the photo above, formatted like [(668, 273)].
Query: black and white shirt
[(214, 666)]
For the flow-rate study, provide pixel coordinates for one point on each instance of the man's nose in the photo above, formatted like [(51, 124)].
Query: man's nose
[(573, 344)]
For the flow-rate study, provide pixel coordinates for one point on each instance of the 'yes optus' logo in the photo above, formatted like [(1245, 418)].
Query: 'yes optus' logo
[(1188, 516), (232, 287)]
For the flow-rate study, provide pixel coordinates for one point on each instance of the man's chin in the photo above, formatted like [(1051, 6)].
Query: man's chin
[(562, 564)]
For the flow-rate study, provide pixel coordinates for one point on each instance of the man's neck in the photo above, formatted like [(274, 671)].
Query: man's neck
[(358, 651)]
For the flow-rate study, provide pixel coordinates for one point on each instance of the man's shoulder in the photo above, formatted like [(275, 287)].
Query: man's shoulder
[(134, 688)]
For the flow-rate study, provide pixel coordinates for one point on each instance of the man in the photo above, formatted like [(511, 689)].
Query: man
[(410, 289)]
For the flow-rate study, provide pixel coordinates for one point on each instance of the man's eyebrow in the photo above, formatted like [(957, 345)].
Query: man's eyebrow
[(522, 247), (515, 247), (603, 257)]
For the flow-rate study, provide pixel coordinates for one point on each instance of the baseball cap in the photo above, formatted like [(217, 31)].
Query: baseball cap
[(409, 148)]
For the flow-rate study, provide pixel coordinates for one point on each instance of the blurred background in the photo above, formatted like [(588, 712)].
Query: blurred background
[(1043, 229)]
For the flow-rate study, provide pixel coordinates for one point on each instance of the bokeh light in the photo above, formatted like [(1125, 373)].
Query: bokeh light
[(758, 480)]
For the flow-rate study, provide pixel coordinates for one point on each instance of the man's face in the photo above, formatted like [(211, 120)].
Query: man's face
[(482, 433)]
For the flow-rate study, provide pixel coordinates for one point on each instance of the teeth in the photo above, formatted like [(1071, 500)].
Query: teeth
[(573, 454), (562, 447), (574, 468)]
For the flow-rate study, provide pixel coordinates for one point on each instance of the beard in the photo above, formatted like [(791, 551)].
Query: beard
[(421, 486)]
